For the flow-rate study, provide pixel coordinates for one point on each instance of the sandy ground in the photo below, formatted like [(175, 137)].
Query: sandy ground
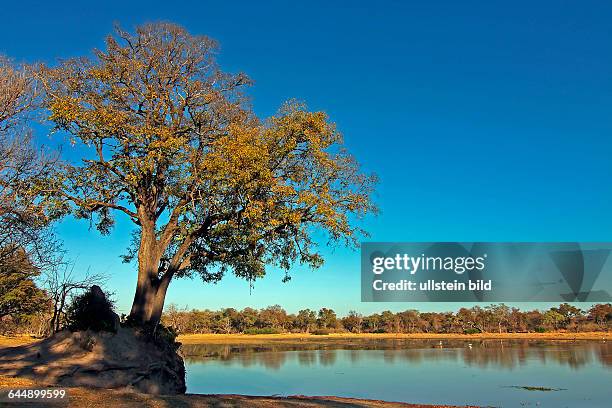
[(81, 397)]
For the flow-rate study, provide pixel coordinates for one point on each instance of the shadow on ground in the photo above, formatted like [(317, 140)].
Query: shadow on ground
[(97, 359)]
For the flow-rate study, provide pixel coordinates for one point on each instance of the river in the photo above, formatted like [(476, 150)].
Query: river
[(496, 373)]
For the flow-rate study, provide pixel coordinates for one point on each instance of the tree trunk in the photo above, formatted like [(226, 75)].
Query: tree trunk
[(150, 289), (149, 302), (142, 300), (157, 306), (148, 265), (54, 318)]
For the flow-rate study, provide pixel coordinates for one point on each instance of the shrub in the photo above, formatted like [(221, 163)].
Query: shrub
[(471, 330), (540, 329), (166, 333), (321, 332), (91, 311), (267, 330), (591, 327)]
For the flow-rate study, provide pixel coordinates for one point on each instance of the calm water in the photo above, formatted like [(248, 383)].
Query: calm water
[(484, 373)]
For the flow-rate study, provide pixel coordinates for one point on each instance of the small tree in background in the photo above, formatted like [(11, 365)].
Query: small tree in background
[(19, 294), (27, 245), (327, 319), (25, 211), (353, 322), (601, 314), (62, 285), (552, 319), (174, 146), (306, 320)]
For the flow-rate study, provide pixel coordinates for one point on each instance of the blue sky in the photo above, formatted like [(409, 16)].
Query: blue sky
[(484, 122)]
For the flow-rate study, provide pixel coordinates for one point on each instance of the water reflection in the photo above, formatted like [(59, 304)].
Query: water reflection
[(500, 354)]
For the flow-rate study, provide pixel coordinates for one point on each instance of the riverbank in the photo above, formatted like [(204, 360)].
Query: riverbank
[(82, 397), (89, 397), (298, 337)]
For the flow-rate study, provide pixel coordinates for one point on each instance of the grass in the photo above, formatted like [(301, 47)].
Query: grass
[(257, 338), (15, 341)]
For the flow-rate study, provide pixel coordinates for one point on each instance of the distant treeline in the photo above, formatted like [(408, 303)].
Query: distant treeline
[(489, 319)]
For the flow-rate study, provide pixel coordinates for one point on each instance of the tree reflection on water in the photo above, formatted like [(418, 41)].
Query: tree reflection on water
[(505, 354)]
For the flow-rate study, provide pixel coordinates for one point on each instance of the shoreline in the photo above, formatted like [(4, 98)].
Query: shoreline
[(91, 397), (88, 397), (298, 337), (13, 341)]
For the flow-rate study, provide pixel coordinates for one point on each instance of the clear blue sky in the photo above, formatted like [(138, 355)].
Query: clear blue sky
[(485, 121)]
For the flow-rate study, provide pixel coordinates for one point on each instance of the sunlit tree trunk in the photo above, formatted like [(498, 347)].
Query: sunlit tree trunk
[(148, 265), (150, 289)]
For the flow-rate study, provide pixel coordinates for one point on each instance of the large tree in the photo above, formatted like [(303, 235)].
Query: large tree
[(175, 146)]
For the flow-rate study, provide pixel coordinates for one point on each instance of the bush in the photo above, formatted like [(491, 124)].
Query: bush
[(321, 332), (471, 331), (92, 311), (591, 327), (267, 330), (540, 330), (166, 334)]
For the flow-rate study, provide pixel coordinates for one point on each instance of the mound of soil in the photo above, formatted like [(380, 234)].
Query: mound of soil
[(126, 359)]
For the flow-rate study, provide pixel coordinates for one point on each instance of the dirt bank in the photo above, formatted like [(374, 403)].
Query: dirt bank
[(125, 359)]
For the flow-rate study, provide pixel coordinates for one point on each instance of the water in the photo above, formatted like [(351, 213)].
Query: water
[(483, 373)]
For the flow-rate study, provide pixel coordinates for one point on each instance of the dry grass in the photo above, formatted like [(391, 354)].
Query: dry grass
[(16, 341), (11, 382), (245, 338)]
